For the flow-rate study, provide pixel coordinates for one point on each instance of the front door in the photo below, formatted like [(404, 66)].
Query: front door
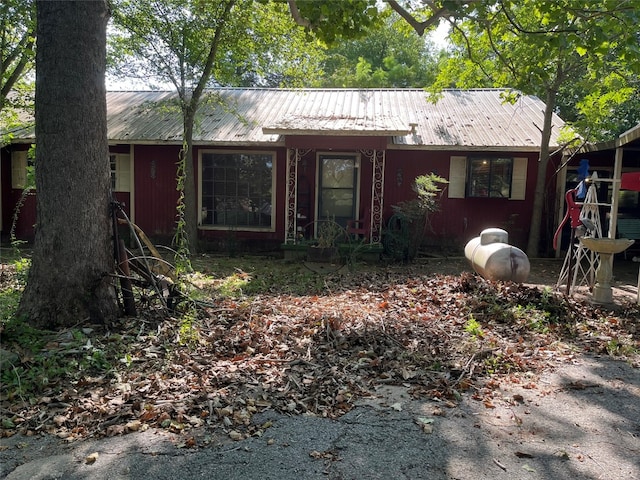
[(337, 187)]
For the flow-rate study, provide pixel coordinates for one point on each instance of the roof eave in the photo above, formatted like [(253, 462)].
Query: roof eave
[(466, 148), (335, 133), (630, 136)]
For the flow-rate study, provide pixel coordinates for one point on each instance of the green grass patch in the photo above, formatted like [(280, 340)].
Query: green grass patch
[(223, 277), (473, 327), (42, 361), (15, 277)]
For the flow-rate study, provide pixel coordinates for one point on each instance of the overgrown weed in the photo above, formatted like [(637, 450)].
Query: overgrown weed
[(43, 359)]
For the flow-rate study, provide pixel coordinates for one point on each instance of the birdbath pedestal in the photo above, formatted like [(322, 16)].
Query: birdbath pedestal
[(605, 247)]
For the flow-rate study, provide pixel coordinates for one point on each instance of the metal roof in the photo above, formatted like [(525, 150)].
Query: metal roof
[(463, 119)]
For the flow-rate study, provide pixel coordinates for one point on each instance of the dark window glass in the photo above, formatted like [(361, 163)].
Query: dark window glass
[(237, 189), (489, 177)]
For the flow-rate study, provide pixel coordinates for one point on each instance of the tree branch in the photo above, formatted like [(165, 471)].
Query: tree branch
[(521, 29), (213, 51), (416, 24), (505, 61), (25, 44), (297, 16), (470, 52)]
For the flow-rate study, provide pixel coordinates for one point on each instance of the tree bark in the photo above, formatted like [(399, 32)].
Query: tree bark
[(533, 244), (69, 279)]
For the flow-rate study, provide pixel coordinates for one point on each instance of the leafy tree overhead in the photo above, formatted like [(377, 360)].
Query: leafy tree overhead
[(333, 20), (609, 108), (602, 110), (17, 38), (269, 51), (388, 55)]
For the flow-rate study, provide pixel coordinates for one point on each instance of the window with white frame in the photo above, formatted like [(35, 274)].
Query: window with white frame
[(120, 172), (19, 164), (237, 189), (487, 176)]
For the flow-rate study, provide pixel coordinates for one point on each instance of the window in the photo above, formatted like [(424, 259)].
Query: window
[(237, 189), (19, 169), (337, 187), (120, 172), (488, 177)]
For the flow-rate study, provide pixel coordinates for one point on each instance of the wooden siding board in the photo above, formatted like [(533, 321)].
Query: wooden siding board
[(155, 195)]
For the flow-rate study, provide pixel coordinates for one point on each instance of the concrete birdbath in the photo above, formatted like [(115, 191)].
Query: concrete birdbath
[(605, 247)]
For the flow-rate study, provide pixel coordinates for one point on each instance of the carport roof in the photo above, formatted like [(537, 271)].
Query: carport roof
[(628, 139)]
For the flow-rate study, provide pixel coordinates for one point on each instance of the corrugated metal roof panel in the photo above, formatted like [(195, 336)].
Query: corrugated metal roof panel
[(254, 116)]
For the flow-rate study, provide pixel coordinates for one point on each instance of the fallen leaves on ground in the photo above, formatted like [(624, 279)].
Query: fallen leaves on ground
[(318, 354)]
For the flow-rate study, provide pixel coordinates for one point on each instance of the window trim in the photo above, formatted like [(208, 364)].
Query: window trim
[(458, 176), (19, 163), (242, 228), (122, 175)]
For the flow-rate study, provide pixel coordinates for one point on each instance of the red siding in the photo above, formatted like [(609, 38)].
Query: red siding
[(459, 219), (24, 228), (5, 190), (155, 189)]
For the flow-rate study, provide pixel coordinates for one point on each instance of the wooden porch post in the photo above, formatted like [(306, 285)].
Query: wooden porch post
[(617, 174)]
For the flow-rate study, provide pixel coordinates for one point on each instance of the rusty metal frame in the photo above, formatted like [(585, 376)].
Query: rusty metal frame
[(377, 159), (294, 155)]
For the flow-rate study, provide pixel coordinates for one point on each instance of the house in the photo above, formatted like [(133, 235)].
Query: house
[(271, 162)]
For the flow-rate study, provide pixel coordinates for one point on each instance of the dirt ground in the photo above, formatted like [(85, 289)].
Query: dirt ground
[(545, 273), (578, 419)]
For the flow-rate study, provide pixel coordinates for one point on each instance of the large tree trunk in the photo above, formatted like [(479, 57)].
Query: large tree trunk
[(533, 245), (69, 279)]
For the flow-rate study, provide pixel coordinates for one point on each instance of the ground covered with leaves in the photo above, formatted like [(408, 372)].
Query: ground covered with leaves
[(298, 341)]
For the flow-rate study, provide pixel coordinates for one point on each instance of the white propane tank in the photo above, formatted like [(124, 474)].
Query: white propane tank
[(494, 259)]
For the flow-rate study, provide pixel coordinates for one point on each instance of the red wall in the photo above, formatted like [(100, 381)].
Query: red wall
[(26, 220), (155, 193), (458, 219), (10, 198), (155, 189)]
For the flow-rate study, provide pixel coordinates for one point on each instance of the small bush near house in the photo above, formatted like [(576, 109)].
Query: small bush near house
[(411, 218)]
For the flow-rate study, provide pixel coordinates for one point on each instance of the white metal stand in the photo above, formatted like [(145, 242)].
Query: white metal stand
[(580, 263)]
